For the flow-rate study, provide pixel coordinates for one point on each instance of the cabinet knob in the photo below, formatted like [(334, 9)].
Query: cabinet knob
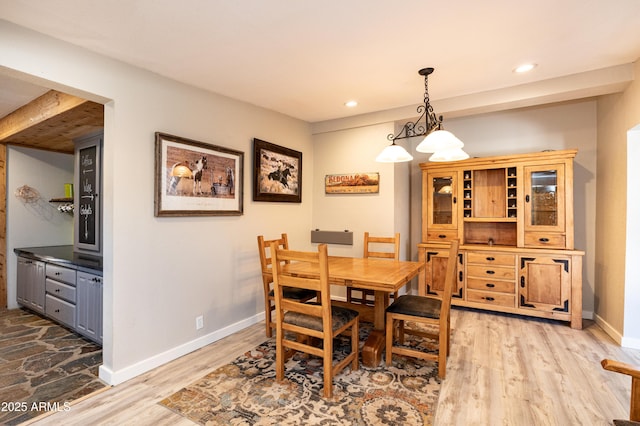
[(526, 198)]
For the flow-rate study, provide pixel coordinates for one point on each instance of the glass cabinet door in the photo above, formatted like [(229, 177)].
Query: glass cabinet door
[(544, 198), (442, 200)]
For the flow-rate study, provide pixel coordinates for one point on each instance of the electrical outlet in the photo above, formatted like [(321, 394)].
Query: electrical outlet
[(199, 322)]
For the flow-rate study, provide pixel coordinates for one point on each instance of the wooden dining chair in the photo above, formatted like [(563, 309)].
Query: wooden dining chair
[(264, 247), (427, 311), (634, 372), (373, 248), (310, 322)]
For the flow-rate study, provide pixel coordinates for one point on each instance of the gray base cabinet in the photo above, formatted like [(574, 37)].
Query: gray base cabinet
[(70, 297), (31, 284), (89, 306), (60, 286)]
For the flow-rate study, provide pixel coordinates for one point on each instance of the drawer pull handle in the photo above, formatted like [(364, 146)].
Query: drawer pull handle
[(491, 259), (57, 310), (543, 240), (490, 285), (491, 272), (57, 273), (57, 290), (489, 299), (442, 236)]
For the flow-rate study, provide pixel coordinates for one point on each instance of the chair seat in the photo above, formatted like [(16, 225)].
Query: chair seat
[(340, 316), (296, 293), (417, 306)]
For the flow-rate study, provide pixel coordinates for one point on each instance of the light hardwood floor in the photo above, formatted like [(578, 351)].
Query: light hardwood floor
[(503, 370)]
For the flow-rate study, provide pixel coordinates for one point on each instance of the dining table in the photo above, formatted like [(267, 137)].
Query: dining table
[(383, 276)]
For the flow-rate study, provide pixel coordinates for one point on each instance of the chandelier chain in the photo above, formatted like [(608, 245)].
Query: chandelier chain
[(431, 121)]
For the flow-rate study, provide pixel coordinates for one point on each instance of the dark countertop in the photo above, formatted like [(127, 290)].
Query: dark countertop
[(64, 256)]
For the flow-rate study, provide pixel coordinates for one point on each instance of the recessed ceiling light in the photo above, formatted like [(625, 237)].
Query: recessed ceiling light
[(351, 104), (524, 68)]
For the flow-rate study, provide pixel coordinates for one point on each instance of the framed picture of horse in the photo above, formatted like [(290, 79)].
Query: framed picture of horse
[(194, 178), (277, 173)]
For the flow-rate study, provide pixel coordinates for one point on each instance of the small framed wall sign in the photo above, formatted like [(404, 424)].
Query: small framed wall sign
[(352, 183), (277, 173), (196, 178)]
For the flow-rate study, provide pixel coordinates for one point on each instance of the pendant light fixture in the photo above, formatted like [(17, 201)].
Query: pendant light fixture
[(443, 144)]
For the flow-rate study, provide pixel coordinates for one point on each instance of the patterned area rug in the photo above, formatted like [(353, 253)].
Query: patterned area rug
[(245, 392)]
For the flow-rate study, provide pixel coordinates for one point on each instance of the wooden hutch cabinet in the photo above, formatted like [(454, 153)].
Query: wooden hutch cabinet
[(513, 216)]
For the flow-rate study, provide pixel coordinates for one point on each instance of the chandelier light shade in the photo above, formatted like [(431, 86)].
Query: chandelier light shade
[(450, 154), (437, 140), (394, 154)]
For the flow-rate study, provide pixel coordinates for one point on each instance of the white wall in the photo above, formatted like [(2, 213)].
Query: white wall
[(38, 223), (160, 273), (384, 213), (632, 273)]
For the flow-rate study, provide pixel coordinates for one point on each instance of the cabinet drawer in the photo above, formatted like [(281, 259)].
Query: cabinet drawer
[(505, 259), (61, 290), (544, 239), (489, 285), (491, 272), (442, 235), (59, 273), (60, 310), (489, 298)]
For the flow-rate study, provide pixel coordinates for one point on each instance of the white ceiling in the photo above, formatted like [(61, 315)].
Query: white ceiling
[(306, 58)]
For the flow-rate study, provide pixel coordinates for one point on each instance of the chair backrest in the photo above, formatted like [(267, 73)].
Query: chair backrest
[(266, 255), (319, 284), (392, 253), (450, 279)]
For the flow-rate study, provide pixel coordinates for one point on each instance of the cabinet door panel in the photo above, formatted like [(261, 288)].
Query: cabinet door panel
[(435, 271), (544, 198), (442, 200), (89, 306), (545, 283)]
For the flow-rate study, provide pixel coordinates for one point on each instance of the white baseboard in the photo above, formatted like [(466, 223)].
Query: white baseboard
[(630, 342), (116, 377)]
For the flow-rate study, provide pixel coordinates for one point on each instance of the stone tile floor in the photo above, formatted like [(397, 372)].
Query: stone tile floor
[(43, 366)]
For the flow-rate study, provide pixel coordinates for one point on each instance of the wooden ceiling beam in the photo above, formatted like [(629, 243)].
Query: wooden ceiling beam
[(39, 110), (51, 122)]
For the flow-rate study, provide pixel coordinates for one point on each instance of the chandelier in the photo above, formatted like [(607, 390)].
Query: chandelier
[(443, 144)]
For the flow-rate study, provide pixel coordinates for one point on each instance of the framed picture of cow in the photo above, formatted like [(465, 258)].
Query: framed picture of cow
[(277, 173), (194, 178)]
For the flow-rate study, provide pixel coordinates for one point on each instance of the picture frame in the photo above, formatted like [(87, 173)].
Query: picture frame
[(277, 173), (194, 178), (352, 183)]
